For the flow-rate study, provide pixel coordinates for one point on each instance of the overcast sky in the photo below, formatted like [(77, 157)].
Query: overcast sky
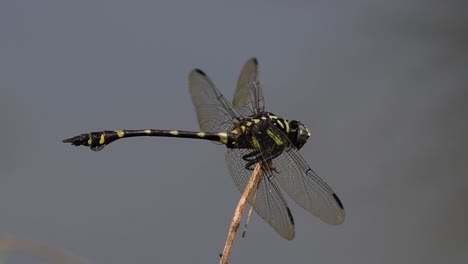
[(381, 84)]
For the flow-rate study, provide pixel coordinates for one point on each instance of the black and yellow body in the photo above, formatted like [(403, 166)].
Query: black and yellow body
[(246, 134), (251, 136), (97, 140)]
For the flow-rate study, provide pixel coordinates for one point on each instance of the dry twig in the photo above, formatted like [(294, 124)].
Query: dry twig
[(254, 179)]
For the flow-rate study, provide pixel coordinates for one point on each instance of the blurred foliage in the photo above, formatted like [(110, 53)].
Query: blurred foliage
[(34, 249)]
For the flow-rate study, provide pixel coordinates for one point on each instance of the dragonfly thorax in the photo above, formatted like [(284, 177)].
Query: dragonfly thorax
[(267, 129)]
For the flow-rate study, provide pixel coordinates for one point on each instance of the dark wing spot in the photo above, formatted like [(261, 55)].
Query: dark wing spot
[(290, 215), (338, 201), (255, 60), (200, 72)]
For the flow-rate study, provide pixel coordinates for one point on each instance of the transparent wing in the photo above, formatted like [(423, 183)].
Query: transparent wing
[(268, 201), (214, 112), (304, 186), (248, 97)]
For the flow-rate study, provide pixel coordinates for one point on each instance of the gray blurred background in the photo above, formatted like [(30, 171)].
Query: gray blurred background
[(382, 85)]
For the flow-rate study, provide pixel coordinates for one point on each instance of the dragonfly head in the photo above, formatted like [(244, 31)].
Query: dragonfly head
[(298, 133)]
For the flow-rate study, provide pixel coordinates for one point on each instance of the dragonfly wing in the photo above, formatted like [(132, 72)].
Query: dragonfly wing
[(248, 97), (214, 112), (306, 188), (267, 199), (297, 179)]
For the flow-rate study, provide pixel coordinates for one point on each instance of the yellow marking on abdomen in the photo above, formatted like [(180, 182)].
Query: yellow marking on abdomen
[(256, 121), (275, 137), (249, 123), (243, 128), (102, 139), (90, 140), (264, 118), (223, 137), (174, 132), (201, 134), (286, 123), (273, 116), (148, 131), (120, 133)]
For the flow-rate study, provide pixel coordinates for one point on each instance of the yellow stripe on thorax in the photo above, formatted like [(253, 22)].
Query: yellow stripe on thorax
[(255, 143), (286, 123), (280, 123), (275, 137)]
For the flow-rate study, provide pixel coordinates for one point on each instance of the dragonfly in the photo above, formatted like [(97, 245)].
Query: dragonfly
[(251, 136)]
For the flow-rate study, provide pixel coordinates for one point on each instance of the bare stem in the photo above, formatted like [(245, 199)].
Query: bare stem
[(254, 179)]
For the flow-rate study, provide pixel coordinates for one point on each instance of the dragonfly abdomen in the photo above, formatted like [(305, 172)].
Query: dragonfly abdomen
[(97, 140)]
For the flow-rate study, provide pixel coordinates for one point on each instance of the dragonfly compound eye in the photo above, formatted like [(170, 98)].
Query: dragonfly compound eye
[(303, 134)]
